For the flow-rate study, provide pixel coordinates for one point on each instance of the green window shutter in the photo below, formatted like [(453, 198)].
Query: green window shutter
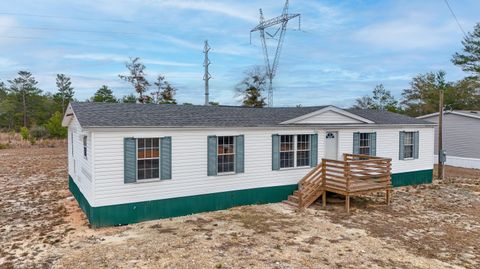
[(239, 153), (130, 160), (373, 144), (275, 152), (356, 143), (416, 145), (313, 150), (212, 155), (401, 147), (166, 157)]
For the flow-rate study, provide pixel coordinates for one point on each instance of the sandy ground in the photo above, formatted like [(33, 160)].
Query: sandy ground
[(434, 226)]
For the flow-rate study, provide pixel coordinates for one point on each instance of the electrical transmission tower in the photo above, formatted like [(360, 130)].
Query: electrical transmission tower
[(206, 76), (281, 22)]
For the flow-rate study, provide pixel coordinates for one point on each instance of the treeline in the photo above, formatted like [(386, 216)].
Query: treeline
[(422, 97), (24, 105), (37, 114)]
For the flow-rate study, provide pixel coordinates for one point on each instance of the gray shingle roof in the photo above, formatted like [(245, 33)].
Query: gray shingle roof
[(152, 115)]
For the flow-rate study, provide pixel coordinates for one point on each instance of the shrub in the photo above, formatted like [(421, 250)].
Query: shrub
[(24, 133), (38, 132), (54, 126), (4, 145)]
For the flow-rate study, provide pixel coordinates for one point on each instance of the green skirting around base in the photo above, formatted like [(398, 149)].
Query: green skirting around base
[(412, 178), (158, 209)]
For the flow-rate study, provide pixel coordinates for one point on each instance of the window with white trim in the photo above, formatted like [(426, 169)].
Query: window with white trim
[(226, 154), (148, 156), (408, 145), (85, 146), (294, 151), (365, 142)]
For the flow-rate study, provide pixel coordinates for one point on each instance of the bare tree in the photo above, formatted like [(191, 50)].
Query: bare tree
[(165, 92), (252, 87), (137, 78)]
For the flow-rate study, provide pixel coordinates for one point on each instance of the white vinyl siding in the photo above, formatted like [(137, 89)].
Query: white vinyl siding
[(79, 165), (460, 135), (189, 161), (329, 117), (387, 146)]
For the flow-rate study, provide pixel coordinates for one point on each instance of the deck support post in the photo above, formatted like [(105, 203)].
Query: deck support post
[(324, 199), (347, 203)]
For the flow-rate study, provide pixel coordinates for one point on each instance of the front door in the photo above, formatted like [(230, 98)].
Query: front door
[(331, 145)]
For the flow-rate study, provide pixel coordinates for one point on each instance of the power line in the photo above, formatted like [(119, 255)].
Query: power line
[(69, 30), (64, 17), (455, 17)]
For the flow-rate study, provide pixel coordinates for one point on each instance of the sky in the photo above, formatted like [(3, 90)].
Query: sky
[(343, 49)]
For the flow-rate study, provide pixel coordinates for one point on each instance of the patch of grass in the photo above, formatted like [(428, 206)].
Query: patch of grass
[(262, 222)]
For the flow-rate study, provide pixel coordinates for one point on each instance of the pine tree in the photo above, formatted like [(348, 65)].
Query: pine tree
[(469, 59), (131, 98), (165, 92), (423, 95), (24, 86), (104, 95), (381, 99), (65, 90), (137, 78)]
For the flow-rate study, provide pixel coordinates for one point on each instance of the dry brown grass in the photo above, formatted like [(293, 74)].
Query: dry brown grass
[(14, 140)]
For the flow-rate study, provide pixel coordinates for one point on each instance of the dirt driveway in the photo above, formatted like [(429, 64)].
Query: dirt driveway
[(435, 226)]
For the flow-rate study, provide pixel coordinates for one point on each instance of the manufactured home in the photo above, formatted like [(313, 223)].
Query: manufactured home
[(460, 137), (134, 162)]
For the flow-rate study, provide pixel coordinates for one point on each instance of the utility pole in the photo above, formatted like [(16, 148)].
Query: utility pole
[(206, 76), (440, 137)]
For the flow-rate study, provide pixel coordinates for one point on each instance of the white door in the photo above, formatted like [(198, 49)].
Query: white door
[(331, 145)]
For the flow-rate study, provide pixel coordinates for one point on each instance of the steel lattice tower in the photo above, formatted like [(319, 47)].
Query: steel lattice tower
[(280, 21)]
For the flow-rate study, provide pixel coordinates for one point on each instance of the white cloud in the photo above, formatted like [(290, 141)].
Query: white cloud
[(246, 13), (407, 33), (120, 58)]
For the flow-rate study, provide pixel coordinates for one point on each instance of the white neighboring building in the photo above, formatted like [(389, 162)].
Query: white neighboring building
[(461, 139), (135, 162)]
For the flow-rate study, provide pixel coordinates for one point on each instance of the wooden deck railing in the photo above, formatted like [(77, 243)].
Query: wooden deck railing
[(355, 174)]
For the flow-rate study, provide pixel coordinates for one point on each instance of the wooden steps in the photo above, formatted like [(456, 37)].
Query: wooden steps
[(355, 175)]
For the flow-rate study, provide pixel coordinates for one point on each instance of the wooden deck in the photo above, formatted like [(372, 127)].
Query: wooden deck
[(354, 175)]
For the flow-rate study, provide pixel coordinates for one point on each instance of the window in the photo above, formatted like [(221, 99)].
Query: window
[(294, 150), (408, 145), (85, 146), (365, 147), (303, 150), (226, 154), (287, 151), (147, 158)]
